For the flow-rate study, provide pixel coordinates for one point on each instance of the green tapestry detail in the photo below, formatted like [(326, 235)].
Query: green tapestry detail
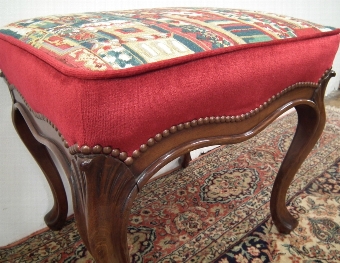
[(100, 41)]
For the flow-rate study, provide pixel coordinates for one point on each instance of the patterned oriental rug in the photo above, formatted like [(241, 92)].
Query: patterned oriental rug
[(217, 209)]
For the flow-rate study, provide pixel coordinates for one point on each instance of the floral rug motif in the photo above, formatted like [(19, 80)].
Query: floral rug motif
[(217, 209)]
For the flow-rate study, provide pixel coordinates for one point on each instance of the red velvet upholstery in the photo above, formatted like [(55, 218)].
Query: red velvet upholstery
[(124, 108)]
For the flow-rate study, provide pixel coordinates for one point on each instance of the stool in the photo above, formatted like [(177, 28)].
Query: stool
[(117, 95)]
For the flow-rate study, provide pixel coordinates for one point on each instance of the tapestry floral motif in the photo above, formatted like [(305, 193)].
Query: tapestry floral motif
[(123, 39), (88, 60)]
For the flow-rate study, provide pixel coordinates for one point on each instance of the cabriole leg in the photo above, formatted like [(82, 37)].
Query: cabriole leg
[(56, 217), (103, 191), (311, 122)]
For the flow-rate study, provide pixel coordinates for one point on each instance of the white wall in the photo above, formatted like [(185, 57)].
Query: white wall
[(24, 194)]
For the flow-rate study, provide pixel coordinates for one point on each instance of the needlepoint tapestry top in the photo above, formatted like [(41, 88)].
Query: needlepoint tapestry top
[(101, 41)]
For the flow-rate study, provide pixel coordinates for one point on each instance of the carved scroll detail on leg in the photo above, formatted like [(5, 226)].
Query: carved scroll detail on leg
[(311, 122), (103, 192), (56, 217)]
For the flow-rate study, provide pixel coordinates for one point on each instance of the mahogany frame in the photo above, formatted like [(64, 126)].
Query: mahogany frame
[(104, 187)]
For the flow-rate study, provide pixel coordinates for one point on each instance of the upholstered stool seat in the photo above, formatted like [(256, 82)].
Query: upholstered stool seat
[(116, 95)]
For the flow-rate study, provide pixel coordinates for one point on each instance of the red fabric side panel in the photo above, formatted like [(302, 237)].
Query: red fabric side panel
[(303, 34), (46, 90), (142, 106), (125, 112)]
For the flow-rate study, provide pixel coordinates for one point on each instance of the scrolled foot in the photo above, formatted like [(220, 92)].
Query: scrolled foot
[(55, 219), (283, 220)]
